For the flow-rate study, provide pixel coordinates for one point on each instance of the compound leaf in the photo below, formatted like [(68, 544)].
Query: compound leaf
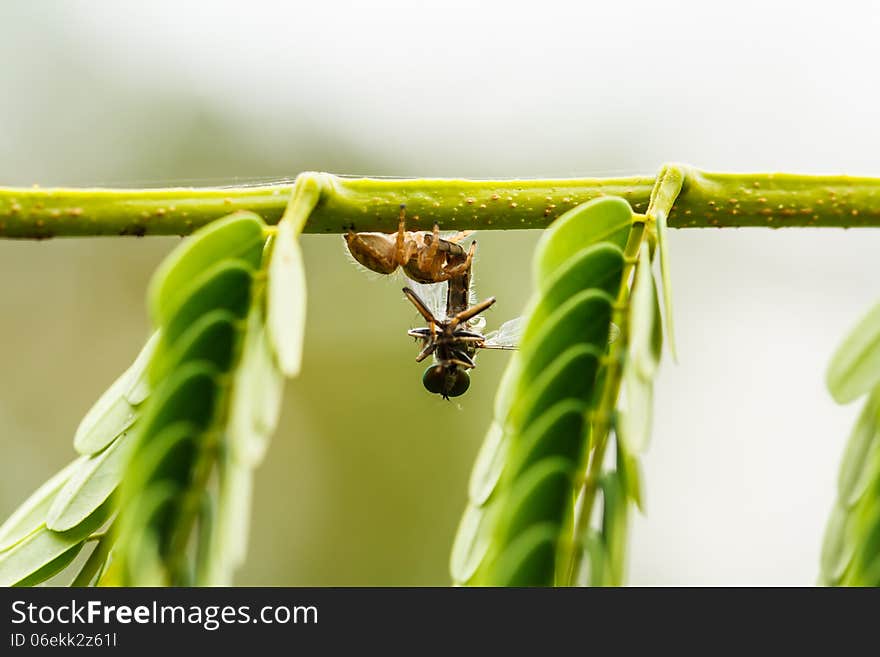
[(855, 366)]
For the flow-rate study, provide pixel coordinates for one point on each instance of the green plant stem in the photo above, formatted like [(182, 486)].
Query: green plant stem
[(369, 204)]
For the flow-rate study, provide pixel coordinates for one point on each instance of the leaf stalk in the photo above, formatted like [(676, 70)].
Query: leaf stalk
[(721, 200)]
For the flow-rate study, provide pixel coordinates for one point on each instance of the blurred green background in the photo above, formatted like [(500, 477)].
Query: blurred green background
[(367, 474)]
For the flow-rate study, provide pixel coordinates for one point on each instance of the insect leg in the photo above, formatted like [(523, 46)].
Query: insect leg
[(471, 312), (461, 363), (427, 351), (421, 307), (478, 340), (463, 359)]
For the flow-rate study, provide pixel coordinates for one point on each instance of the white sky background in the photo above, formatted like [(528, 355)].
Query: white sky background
[(740, 475), (787, 85)]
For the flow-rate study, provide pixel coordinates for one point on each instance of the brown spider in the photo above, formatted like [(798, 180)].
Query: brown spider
[(423, 255)]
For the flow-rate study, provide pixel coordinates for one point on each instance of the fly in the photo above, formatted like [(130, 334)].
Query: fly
[(453, 334)]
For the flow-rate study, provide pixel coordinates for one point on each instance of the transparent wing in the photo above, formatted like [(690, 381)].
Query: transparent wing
[(509, 333), (507, 336), (433, 294)]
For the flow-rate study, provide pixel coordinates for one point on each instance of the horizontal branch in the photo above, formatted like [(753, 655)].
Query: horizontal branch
[(772, 200)]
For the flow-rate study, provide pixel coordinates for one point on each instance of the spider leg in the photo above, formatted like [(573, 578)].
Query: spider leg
[(460, 235), (435, 242), (462, 267), (429, 264), (400, 255)]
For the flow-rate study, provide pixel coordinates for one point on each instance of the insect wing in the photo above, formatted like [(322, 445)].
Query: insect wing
[(507, 336), (433, 294)]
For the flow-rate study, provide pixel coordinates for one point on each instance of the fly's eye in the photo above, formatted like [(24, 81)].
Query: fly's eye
[(457, 383), (451, 382), (434, 379)]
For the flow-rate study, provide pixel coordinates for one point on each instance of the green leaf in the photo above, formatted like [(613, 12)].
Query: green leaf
[(32, 513), (489, 465), (170, 455), (583, 319), (267, 382), (158, 510), (223, 286), (146, 530), (207, 514), (541, 494), (472, 542), (855, 366), (117, 418), (189, 394), (96, 564), (42, 553), (646, 335), (634, 421), (862, 571), (210, 338), (584, 272), (139, 388), (857, 466), (146, 565), (90, 485), (257, 391), (594, 562), (596, 266), (872, 573), (667, 187), (286, 302), (507, 387), (237, 236), (52, 568), (116, 410), (558, 432), (630, 475), (571, 376), (614, 526), (838, 546), (229, 544), (666, 276), (606, 219), (530, 558)]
